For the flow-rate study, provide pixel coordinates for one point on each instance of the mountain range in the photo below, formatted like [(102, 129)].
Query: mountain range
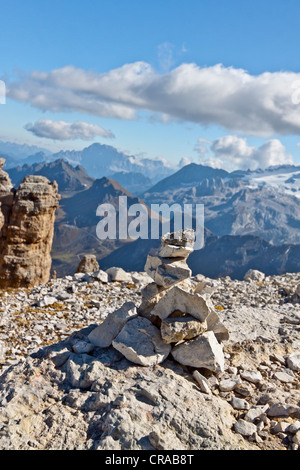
[(260, 203), (221, 256), (98, 160), (252, 218)]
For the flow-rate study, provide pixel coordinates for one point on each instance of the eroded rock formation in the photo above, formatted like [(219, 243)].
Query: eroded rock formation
[(26, 230)]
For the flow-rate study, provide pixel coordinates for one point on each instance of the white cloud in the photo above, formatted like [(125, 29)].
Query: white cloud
[(184, 161), (260, 105), (165, 53), (61, 130), (2, 92), (215, 163), (233, 152), (201, 146)]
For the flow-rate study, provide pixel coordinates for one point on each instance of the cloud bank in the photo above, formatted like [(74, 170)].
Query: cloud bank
[(234, 152), (262, 105), (61, 130)]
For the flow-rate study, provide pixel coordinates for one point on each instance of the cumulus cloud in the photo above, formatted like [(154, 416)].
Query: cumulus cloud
[(233, 152), (61, 130), (261, 105)]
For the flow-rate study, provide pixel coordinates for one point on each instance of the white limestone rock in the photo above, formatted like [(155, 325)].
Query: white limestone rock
[(185, 238), (284, 377), (177, 245), (279, 410), (82, 347), (141, 343), (227, 385), (141, 278), (172, 251), (202, 352), (202, 382), (239, 403), (118, 274), (103, 335), (101, 276), (296, 438), (178, 299), (167, 272), (258, 411), (52, 409), (152, 291), (293, 361), (245, 428), (2, 350), (196, 305), (47, 300), (181, 328), (253, 376), (254, 275)]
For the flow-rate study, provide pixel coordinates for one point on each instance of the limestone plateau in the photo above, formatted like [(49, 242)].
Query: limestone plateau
[(154, 360), (27, 217)]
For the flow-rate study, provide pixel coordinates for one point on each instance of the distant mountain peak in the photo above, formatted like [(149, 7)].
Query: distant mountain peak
[(190, 174), (67, 177)]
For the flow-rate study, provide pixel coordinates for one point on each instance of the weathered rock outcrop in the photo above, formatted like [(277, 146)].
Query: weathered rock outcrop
[(62, 400), (6, 196), (88, 264), (26, 230)]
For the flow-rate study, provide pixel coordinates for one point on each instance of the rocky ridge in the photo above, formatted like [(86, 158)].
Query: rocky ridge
[(59, 390)]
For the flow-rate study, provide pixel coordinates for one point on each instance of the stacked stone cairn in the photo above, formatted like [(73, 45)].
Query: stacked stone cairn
[(174, 318)]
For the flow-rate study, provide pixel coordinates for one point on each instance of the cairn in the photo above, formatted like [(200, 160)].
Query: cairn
[(174, 317)]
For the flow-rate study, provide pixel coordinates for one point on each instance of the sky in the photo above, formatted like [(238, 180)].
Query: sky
[(208, 81)]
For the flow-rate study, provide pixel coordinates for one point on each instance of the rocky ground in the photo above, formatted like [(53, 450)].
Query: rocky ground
[(56, 394)]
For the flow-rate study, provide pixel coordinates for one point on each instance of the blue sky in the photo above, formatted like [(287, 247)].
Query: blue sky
[(150, 70)]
